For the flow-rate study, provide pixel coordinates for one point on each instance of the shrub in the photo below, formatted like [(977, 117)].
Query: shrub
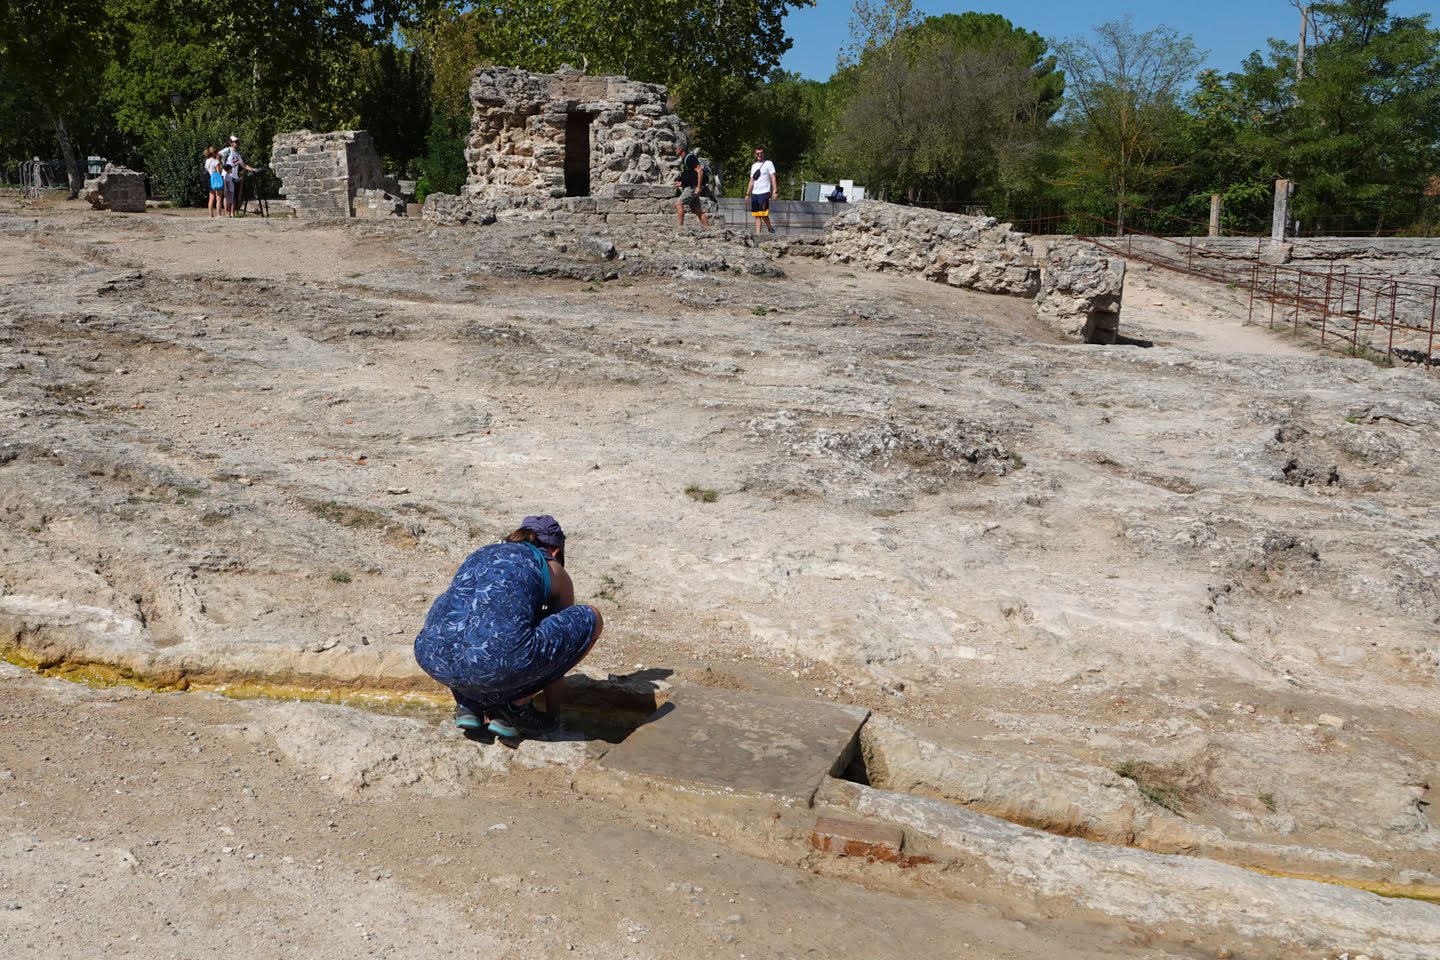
[(175, 161), (443, 167)]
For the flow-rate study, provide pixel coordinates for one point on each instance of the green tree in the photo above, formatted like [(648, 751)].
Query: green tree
[(950, 108), (788, 116), (710, 56), (1363, 136), (1125, 89), (393, 103), (49, 54)]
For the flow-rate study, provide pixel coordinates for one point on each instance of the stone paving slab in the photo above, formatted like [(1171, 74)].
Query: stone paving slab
[(740, 744)]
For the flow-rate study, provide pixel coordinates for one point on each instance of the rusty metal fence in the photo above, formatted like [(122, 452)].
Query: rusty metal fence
[(1362, 313)]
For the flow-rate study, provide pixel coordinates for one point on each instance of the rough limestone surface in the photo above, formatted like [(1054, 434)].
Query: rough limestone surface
[(1060, 795), (355, 753), (977, 253), (336, 175), (589, 149), (1081, 290), (117, 188), (1157, 890)]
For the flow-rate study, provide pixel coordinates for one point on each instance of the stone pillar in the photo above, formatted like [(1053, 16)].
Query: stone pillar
[(1280, 220), (1214, 214)]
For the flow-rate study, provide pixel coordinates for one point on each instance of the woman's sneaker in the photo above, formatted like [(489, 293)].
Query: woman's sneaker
[(509, 722), (467, 719)]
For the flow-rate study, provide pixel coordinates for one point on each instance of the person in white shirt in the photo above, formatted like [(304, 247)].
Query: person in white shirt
[(763, 186), (234, 167)]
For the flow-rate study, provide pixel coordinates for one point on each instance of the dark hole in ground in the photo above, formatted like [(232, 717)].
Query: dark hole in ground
[(852, 763)]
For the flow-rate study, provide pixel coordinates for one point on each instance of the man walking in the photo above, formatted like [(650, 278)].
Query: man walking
[(763, 186), (690, 182)]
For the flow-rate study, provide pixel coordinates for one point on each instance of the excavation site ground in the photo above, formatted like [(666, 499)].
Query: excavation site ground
[(1077, 650)]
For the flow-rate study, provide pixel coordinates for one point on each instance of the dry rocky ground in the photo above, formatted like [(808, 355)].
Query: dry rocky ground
[(249, 453)]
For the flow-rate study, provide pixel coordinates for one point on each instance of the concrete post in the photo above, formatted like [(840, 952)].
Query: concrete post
[(1280, 219), (1214, 214)]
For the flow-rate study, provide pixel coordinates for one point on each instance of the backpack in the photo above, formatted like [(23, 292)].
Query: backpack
[(706, 180)]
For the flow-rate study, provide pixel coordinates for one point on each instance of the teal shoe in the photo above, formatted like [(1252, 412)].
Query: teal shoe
[(467, 719), (512, 724)]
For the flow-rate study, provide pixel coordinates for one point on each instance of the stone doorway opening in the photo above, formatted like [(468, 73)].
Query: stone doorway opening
[(577, 154)]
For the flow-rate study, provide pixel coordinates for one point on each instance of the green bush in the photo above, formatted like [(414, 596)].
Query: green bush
[(443, 167), (175, 161), (422, 188)]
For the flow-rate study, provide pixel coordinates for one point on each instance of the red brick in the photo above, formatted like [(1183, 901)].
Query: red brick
[(858, 838)]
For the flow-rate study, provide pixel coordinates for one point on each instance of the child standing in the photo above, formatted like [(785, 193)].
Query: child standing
[(216, 180)]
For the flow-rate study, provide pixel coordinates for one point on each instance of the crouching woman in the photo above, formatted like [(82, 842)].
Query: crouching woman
[(508, 629)]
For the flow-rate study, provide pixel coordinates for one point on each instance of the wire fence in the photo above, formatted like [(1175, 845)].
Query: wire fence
[(1054, 218), (1360, 312)]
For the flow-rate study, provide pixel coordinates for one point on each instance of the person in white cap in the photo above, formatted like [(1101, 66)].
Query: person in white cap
[(234, 169)]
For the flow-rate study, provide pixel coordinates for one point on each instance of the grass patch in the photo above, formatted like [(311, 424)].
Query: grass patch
[(702, 494), (340, 576), (345, 516), (760, 311), (609, 588), (1364, 351), (69, 392), (188, 491), (1268, 799), (1017, 462), (1146, 780)]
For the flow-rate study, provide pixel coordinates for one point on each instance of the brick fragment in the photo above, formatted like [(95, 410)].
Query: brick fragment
[(857, 838)]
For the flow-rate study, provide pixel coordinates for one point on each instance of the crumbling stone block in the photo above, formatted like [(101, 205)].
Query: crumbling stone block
[(977, 253), (582, 148), (1080, 291), (1075, 286), (334, 175), (117, 188)]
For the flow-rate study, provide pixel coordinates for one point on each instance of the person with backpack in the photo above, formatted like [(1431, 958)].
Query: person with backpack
[(692, 186)]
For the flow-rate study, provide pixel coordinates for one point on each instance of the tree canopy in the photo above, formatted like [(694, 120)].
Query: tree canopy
[(961, 110)]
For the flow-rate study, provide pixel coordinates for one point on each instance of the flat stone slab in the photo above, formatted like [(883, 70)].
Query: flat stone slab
[(741, 744)]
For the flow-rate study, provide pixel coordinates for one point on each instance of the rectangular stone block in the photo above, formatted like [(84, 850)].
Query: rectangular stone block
[(777, 749)]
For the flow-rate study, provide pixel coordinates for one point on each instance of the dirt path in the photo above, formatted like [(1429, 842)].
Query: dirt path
[(1173, 309)]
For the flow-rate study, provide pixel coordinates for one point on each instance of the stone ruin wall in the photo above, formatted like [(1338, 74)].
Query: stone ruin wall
[(1076, 288), (335, 175), (517, 152), (117, 188)]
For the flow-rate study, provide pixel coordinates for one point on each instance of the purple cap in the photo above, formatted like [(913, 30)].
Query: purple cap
[(547, 531)]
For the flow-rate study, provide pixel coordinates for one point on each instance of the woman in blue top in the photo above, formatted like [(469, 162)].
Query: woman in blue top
[(508, 629)]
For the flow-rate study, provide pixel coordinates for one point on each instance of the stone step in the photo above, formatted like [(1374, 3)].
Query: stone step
[(726, 745)]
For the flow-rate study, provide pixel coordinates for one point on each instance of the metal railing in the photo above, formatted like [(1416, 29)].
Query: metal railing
[(1366, 314)]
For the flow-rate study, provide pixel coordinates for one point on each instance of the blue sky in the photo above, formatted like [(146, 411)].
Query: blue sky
[(1228, 29)]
